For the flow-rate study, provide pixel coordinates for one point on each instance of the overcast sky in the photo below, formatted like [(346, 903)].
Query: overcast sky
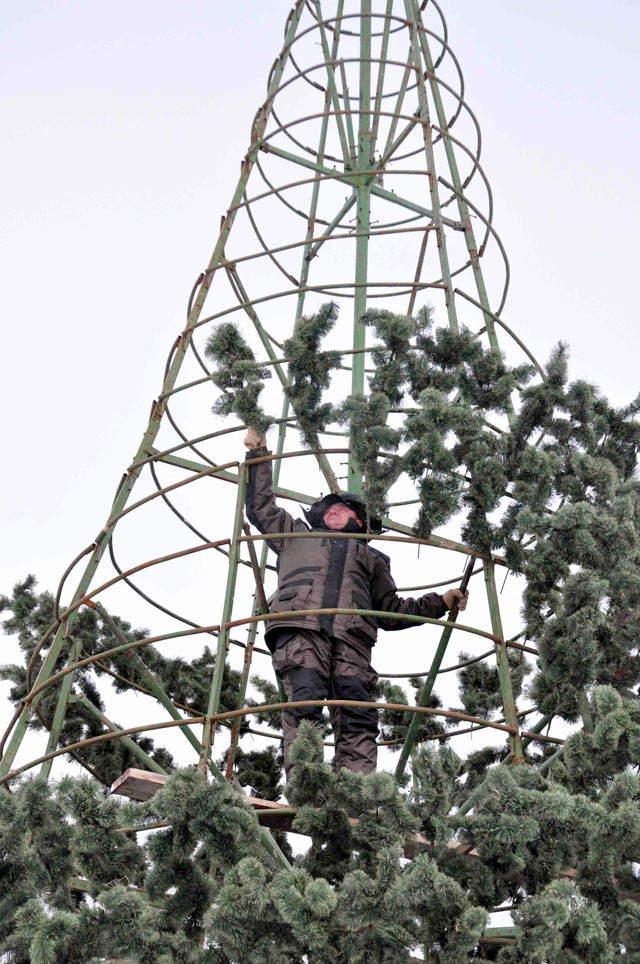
[(123, 126)]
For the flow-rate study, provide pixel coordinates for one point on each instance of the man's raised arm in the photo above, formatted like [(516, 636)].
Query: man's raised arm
[(262, 510)]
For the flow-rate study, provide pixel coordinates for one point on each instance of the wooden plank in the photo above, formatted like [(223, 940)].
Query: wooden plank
[(141, 785), (138, 785)]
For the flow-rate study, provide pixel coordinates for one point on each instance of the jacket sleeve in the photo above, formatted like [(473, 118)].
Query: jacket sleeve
[(262, 510), (385, 597)]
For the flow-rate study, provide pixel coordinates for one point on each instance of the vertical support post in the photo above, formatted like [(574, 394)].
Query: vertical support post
[(163, 699), (360, 298), (259, 606), (323, 461), (455, 177), (61, 708), (429, 683), (331, 77), (480, 790), (425, 119), (585, 713), (363, 219), (266, 838), (137, 751), (364, 124), (508, 700), (382, 66), (137, 664), (308, 253), (223, 635), (416, 281)]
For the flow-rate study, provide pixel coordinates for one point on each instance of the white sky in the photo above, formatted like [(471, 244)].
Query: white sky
[(123, 127)]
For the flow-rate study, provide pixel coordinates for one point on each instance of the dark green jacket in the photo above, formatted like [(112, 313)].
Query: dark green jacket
[(324, 572)]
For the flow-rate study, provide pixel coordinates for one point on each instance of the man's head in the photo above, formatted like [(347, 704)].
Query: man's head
[(337, 516), (355, 518)]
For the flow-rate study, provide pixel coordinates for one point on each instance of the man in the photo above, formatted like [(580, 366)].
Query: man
[(318, 655)]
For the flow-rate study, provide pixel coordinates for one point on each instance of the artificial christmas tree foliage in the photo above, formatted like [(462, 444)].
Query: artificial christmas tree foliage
[(361, 203), (570, 522), (352, 895)]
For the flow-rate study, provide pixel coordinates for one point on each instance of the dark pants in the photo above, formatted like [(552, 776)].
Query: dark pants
[(314, 666)]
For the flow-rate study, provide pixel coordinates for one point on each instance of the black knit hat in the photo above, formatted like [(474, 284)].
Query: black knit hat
[(315, 514)]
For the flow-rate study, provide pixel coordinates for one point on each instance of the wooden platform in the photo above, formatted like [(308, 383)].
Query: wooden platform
[(140, 785)]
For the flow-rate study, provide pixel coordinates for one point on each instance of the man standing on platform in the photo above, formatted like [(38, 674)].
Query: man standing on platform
[(330, 654)]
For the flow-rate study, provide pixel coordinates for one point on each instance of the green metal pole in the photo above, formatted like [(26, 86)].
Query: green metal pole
[(551, 760), (331, 79), (242, 692), (346, 100), (309, 251), (455, 176), (127, 741), (163, 699), (260, 605), (391, 143), (384, 48), (363, 219), (265, 548), (431, 168), (508, 701), (429, 683), (61, 708), (137, 663), (323, 461), (480, 790), (223, 635), (326, 234)]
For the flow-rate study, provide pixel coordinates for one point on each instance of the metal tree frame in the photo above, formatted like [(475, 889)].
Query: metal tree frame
[(378, 112)]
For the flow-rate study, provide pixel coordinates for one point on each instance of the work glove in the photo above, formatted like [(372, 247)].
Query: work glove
[(452, 594), (252, 440)]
